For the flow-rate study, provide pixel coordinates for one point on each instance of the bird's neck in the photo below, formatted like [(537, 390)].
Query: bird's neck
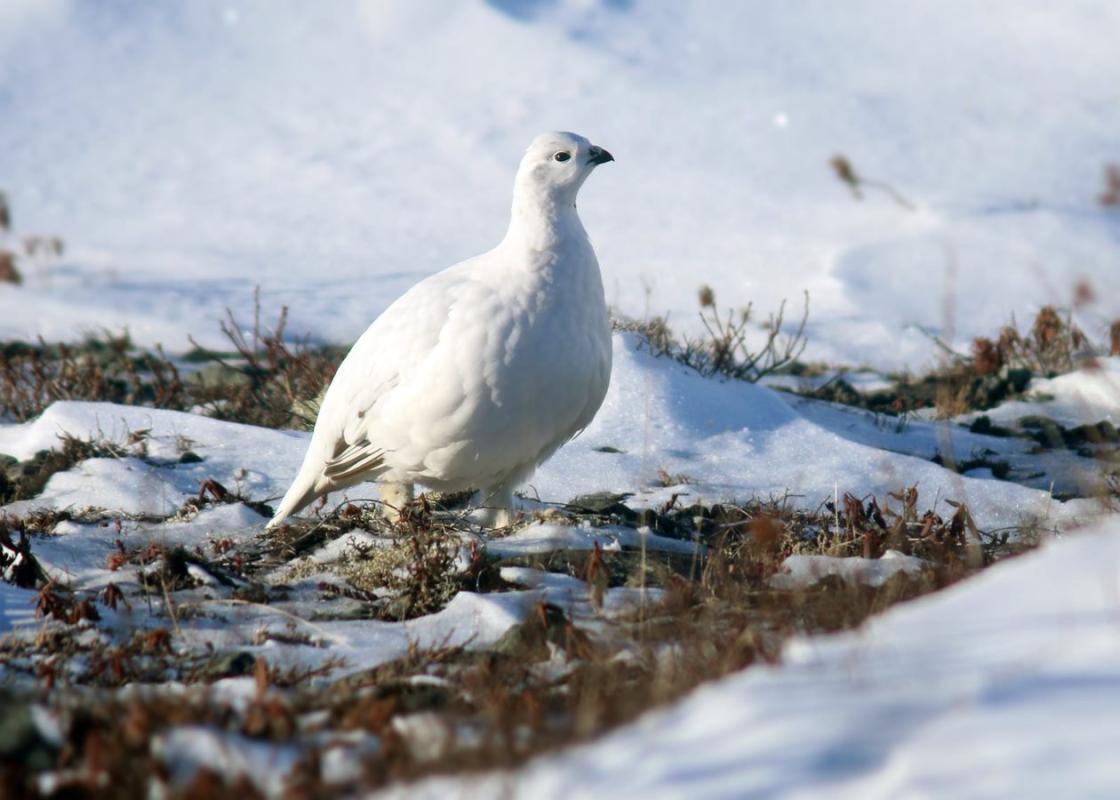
[(542, 221)]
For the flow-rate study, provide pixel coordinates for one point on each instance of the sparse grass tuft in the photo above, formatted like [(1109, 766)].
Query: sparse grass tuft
[(736, 346), (1110, 197), (20, 480), (266, 380), (103, 368), (271, 382)]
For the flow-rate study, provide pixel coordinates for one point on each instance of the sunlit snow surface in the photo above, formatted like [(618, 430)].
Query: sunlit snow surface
[(716, 441), (334, 153), (1018, 667), (1005, 686)]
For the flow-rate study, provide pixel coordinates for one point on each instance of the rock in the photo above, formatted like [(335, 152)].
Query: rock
[(215, 375), (984, 425), (605, 503), (530, 639), (229, 664), (22, 739)]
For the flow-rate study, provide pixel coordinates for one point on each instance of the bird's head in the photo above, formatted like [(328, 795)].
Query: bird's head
[(557, 164)]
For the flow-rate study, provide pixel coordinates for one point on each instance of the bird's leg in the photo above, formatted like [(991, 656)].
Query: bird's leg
[(394, 497), (497, 506)]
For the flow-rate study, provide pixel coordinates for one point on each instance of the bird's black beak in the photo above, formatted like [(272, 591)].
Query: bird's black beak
[(599, 156)]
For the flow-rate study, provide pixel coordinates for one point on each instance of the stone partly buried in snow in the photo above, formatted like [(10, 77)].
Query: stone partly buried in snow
[(229, 664), (546, 625), (20, 480), (605, 503), (28, 736)]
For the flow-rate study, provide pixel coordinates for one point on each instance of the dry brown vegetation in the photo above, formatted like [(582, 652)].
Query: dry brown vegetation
[(1111, 194), (998, 368), (856, 182), (264, 380), (555, 679), (42, 250), (21, 480), (550, 681), (735, 346)]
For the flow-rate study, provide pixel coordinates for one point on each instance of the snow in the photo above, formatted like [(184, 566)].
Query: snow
[(547, 537), (257, 461), (720, 441), (1007, 685), (801, 571), (1084, 397), (707, 439), (16, 608), (1060, 471), (1017, 668), (187, 749), (186, 156), (189, 153)]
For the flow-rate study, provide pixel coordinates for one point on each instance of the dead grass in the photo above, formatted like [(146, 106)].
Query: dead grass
[(997, 369), (102, 368), (266, 379), (858, 183), (549, 682), (1110, 196), (736, 346), (272, 381)]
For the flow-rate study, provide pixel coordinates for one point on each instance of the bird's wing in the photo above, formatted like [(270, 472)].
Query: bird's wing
[(341, 452), (391, 350), (357, 460)]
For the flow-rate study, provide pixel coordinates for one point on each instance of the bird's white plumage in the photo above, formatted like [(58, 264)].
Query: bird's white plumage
[(476, 375)]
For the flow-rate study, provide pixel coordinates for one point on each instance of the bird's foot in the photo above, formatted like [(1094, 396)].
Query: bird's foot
[(394, 497)]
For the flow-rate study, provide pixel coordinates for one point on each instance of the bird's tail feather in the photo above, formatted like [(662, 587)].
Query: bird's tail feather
[(302, 491)]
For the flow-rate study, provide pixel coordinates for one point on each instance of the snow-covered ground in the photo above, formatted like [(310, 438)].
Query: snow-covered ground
[(1084, 397), (662, 430), (334, 153), (1005, 686)]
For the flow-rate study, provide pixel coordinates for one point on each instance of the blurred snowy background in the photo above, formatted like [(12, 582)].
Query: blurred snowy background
[(334, 153)]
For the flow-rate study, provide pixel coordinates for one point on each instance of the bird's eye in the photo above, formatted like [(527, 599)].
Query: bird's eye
[(562, 156)]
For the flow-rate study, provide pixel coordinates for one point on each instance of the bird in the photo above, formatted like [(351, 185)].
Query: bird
[(476, 375)]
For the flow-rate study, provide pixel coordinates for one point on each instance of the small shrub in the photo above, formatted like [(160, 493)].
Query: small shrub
[(8, 271), (266, 381), (277, 378), (102, 368), (847, 175), (726, 350)]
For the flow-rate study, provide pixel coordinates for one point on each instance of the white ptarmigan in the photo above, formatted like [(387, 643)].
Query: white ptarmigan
[(478, 374)]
